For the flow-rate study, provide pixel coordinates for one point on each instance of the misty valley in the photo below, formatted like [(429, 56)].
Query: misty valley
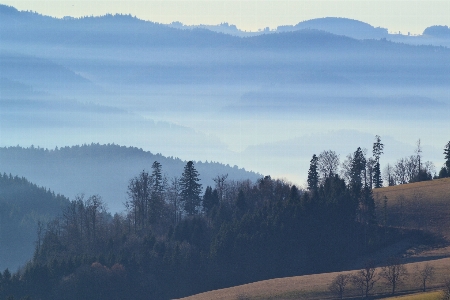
[(141, 160)]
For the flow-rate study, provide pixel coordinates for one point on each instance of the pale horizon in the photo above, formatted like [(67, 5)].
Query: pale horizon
[(397, 16)]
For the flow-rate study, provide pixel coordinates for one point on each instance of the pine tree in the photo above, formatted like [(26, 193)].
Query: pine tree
[(241, 203), (357, 167), (190, 189), (157, 179), (157, 195), (447, 157), (210, 199), (377, 151), (313, 175)]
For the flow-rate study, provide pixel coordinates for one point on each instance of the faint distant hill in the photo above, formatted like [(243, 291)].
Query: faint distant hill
[(121, 49), (438, 31), (107, 30), (22, 205), (41, 73), (102, 169), (340, 26)]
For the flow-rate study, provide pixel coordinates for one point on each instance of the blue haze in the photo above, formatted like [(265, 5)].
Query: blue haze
[(256, 101)]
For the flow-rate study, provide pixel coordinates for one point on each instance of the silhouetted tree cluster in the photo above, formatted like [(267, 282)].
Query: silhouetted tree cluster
[(174, 239), (445, 170), (22, 206)]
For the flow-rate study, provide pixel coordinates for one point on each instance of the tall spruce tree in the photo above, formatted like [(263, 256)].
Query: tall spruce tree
[(157, 195), (190, 189), (313, 175), (357, 169), (447, 157), (377, 151), (210, 199)]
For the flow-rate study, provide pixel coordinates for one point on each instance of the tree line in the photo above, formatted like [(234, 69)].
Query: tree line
[(174, 238), (392, 275)]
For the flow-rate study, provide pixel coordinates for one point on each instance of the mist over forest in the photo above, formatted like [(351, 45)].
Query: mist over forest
[(140, 159), (199, 94)]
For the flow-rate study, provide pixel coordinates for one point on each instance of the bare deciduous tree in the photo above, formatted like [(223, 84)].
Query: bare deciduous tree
[(328, 164), (429, 168), (394, 273), (365, 279), (400, 172), (446, 291), (174, 199), (388, 175), (338, 285), (425, 274), (221, 186), (346, 167), (412, 165), (370, 168)]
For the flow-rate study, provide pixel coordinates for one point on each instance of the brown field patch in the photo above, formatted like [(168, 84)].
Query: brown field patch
[(316, 286), (423, 205), (419, 296)]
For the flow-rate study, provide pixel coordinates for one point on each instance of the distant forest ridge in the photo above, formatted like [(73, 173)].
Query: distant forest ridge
[(22, 206), (339, 26), (102, 169), (97, 150)]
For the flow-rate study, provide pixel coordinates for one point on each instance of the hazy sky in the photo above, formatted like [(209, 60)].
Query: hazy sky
[(398, 15)]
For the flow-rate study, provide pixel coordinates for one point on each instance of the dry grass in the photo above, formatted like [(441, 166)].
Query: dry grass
[(419, 296), (316, 286), (421, 205)]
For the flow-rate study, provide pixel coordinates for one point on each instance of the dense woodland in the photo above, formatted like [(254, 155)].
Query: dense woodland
[(22, 206), (173, 239)]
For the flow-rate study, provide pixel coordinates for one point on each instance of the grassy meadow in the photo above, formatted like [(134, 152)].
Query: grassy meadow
[(316, 286), (422, 205), (436, 295)]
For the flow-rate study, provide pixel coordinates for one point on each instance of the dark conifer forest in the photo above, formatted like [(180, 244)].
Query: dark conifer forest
[(175, 237), (172, 240), (23, 208)]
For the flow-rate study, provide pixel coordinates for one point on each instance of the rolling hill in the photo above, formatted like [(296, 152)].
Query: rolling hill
[(102, 169), (316, 286), (22, 205), (199, 94), (423, 205)]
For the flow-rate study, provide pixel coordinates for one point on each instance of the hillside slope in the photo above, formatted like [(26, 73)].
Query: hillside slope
[(316, 286), (22, 205), (102, 169), (421, 205)]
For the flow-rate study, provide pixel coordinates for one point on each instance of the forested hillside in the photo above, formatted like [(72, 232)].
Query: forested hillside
[(173, 240), (22, 206), (179, 237), (202, 95), (101, 169)]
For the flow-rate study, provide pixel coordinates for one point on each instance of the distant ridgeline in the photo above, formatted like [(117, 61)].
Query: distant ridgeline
[(244, 232), (102, 169), (22, 205), (173, 239)]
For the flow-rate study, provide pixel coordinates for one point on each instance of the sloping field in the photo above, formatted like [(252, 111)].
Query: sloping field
[(422, 205), (420, 296), (316, 286)]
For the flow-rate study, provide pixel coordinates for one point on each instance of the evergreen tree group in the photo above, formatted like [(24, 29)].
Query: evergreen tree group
[(176, 239)]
